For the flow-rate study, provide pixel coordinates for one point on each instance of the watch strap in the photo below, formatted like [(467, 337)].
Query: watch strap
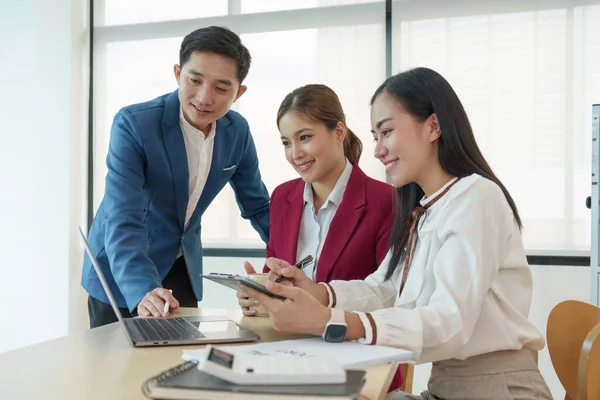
[(338, 317)]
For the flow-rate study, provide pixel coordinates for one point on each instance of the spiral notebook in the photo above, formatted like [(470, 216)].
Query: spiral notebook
[(186, 382)]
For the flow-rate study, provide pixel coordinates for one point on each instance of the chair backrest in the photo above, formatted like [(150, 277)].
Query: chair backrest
[(573, 336), (408, 372)]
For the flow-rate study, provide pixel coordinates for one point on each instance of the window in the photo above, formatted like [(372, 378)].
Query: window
[(527, 73), (127, 72), (256, 6), (285, 60), (134, 64), (119, 12), (528, 79)]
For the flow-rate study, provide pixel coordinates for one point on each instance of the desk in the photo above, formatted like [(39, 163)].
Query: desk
[(100, 364)]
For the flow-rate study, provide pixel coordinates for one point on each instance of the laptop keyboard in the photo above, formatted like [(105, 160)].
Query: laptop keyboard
[(162, 329)]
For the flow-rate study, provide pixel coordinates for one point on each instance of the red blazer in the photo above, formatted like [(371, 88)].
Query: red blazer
[(359, 235), (358, 238)]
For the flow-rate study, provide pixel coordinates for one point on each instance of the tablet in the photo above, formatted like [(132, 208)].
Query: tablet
[(234, 281)]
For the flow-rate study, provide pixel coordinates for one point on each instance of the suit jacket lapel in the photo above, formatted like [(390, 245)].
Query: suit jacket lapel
[(291, 222), (344, 223), (175, 147)]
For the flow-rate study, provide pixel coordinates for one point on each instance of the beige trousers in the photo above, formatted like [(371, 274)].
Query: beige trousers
[(502, 375)]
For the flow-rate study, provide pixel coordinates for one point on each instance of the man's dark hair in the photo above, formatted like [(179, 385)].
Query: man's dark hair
[(218, 40)]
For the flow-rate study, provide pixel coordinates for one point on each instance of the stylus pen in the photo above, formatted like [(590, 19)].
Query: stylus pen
[(305, 262), (166, 310)]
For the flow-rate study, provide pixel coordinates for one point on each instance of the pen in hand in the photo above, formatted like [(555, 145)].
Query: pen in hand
[(166, 310), (305, 262)]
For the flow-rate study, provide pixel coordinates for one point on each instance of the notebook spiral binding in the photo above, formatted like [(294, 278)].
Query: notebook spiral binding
[(176, 370)]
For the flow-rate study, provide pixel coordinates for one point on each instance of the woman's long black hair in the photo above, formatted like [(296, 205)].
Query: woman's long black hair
[(423, 92)]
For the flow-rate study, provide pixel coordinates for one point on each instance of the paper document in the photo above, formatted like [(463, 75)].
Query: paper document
[(348, 354)]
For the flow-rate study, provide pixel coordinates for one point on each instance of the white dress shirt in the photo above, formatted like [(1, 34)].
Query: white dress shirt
[(314, 226), (199, 152), (469, 287)]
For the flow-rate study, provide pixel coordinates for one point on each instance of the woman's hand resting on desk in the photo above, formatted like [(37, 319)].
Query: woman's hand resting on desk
[(300, 312)]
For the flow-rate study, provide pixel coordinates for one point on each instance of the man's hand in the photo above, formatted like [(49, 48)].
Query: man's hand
[(154, 303)]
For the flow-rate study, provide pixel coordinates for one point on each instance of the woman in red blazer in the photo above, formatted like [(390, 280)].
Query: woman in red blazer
[(333, 195), (334, 211)]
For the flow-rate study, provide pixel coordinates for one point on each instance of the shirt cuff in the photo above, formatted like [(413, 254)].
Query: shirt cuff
[(370, 328), (331, 294)]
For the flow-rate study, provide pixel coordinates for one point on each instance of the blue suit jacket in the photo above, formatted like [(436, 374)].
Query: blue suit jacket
[(139, 227)]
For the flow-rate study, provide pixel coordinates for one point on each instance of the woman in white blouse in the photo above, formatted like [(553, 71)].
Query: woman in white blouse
[(456, 287)]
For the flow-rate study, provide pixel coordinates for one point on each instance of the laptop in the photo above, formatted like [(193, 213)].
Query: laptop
[(152, 332)]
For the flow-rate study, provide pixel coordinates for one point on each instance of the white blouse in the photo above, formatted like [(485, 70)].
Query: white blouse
[(469, 286), (314, 227)]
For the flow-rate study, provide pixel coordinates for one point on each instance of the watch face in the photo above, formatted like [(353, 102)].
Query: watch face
[(335, 333)]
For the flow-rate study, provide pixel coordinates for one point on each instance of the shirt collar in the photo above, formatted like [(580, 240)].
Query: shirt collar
[(426, 199), (336, 195), (191, 129)]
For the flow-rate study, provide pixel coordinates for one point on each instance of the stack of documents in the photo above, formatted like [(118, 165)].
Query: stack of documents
[(187, 382), (351, 355)]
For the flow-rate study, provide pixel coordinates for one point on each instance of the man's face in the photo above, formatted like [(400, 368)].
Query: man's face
[(208, 86)]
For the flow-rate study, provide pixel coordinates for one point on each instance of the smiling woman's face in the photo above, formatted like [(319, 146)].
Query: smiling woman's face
[(313, 150), (404, 145)]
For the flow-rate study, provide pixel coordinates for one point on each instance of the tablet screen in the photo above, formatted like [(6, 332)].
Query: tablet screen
[(235, 282)]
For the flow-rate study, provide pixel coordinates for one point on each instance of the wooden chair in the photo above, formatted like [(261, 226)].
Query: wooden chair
[(408, 371), (573, 336)]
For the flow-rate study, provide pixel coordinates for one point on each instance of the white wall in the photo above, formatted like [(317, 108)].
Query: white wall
[(41, 169)]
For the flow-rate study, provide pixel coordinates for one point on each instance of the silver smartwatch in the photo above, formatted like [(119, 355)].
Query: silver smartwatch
[(335, 330)]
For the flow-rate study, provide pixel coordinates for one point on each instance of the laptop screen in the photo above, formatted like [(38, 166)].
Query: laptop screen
[(109, 294)]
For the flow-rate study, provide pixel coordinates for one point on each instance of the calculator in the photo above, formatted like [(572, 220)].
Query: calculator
[(250, 369)]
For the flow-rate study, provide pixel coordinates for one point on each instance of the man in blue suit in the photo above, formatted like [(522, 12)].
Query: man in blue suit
[(167, 160)]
